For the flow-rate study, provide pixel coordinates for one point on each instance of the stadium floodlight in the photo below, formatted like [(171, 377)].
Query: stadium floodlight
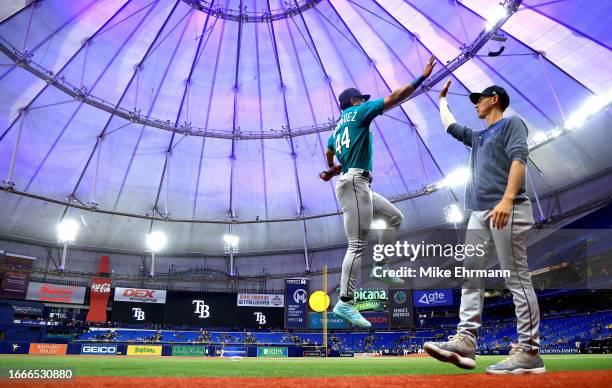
[(156, 241), (494, 16), (231, 243), (591, 106), (456, 178), (66, 234), (539, 137), (67, 231), (231, 240), (378, 225), (453, 213)]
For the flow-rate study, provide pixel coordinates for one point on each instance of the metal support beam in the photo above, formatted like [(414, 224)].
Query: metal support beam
[(535, 194), (27, 32), (552, 86), (232, 209), (293, 155), (9, 179), (322, 147), (64, 253), (261, 140)]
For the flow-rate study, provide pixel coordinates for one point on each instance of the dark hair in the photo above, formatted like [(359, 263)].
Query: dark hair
[(346, 104)]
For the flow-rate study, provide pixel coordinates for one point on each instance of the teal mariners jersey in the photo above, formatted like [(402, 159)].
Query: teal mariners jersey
[(352, 138)]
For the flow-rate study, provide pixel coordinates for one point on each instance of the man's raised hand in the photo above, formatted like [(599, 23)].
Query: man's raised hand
[(444, 90)]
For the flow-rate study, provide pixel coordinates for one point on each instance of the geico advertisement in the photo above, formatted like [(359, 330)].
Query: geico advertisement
[(144, 350), (98, 349)]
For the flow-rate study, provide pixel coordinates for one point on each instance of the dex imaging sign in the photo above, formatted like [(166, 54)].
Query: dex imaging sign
[(139, 295), (430, 298)]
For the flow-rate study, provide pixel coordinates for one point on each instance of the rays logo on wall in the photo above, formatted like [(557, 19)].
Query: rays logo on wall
[(260, 318), (201, 309), (139, 313)]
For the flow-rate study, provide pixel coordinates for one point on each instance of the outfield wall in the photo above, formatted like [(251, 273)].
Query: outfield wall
[(143, 350)]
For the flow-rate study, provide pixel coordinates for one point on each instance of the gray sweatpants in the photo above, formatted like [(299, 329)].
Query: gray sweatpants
[(359, 206), (510, 246)]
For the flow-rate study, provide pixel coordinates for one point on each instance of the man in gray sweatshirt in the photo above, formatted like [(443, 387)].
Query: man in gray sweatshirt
[(501, 216)]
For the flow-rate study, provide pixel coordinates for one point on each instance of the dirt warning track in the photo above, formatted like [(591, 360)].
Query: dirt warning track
[(547, 380)]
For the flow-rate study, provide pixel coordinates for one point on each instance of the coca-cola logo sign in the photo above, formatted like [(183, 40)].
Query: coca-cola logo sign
[(100, 292), (101, 287)]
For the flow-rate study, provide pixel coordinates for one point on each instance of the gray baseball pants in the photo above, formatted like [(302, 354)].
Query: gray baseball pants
[(511, 248), (359, 206)]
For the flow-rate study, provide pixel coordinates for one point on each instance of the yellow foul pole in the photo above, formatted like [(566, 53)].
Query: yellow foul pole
[(325, 309)]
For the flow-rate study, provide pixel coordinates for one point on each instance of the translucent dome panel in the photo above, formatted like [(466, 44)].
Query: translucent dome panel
[(159, 109)]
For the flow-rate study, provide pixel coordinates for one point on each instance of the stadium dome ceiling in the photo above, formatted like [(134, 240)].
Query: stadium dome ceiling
[(201, 118)]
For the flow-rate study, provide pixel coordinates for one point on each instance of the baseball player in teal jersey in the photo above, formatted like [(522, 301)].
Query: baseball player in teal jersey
[(351, 143)]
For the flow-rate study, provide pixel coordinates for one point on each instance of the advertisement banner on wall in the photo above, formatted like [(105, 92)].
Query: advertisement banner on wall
[(378, 319), (296, 306), (432, 298), (58, 313), (22, 308), (266, 351), (189, 350), (98, 299), (260, 300), (126, 312), (370, 299), (98, 349), (139, 295), (51, 349), (315, 321), (400, 308), (15, 284), (211, 309), (144, 350), (45, 292)]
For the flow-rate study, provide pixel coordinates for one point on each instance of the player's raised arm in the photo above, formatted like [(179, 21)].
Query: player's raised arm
[(459, 132), (445, 113), (402, 93)]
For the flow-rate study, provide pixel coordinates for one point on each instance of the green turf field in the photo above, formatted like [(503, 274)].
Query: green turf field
[(288, 367)]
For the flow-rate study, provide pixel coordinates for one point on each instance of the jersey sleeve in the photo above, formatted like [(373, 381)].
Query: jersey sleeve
[(370, 109), (515, 140), (330, 142), (462, 133)]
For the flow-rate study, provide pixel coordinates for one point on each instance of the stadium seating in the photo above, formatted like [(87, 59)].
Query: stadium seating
[(557, 332)]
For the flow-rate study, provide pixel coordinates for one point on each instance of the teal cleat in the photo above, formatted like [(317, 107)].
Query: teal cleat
[(392, 281), (347, 311)]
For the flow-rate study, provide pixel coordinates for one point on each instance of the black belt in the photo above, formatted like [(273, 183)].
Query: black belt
[(367, 175)]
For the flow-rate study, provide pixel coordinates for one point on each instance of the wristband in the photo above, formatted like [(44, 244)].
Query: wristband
[(417, 82)]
